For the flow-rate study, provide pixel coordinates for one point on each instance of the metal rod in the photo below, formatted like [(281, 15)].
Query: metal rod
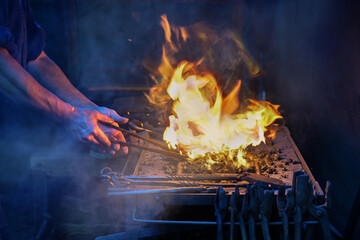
[(183, 184), (188, 177), (137, 128), (160, 151), (146, 139), (119, 88), (249, 177), (157, 191)]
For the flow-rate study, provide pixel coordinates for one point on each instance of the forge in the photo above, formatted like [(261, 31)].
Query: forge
[(183, 193), (213, 149)]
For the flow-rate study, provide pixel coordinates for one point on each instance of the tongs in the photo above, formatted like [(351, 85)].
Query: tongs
[(166, 151), (138, 128)]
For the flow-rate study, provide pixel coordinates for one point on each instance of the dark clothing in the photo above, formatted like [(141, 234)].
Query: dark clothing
[(24, 39), (19, 33)]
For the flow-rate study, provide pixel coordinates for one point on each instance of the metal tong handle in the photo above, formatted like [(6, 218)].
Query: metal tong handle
[(146, 139)]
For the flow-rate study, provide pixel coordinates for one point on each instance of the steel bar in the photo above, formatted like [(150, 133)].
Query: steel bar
[(179, 183), (301, 196), (138, 128), (157, 191), (234, 209), (243, 215), (265, 212), (160, 151), (249, 177), (281, 204), (119, 88), (220, 210)]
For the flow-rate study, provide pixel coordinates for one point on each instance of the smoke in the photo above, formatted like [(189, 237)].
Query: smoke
[(309, 54)]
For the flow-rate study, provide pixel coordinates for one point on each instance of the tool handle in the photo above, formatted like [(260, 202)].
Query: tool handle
[(232, 224), (219, 227), (297, 223), (252, 232), (146, 139), (242, 227), (285, 221), (265, 228)]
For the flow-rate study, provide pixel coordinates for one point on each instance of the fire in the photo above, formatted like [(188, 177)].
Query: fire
[(198, 127), (203, 122)]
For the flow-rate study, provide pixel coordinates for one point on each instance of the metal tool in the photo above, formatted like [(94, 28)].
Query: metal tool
[(281, 205), (254, 206), (127, 182), (137, 128), (146, 139), (301, 199), (234, 209), (220, 210), (265, 212), (244, 213), (241, 180), (319, 212), (265, 182), (158, 191), (155, 150)]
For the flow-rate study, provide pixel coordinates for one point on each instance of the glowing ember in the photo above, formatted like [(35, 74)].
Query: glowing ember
[(203, 123)]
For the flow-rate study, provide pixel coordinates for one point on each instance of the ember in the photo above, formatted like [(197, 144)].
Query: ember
[(204, 125)]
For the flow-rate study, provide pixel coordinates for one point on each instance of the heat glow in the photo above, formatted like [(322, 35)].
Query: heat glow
[(202, 120)]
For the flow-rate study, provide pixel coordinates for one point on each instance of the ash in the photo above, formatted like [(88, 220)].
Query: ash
[(275, 158)]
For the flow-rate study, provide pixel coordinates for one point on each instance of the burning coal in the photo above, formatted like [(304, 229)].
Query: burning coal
[(205, 124)]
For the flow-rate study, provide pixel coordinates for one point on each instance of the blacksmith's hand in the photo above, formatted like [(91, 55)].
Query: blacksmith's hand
[(86, 125), (114, 135)]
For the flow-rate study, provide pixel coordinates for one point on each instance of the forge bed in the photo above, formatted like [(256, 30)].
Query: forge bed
[(286, 159)]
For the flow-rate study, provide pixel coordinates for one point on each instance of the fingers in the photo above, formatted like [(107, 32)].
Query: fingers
[(121, 137), (116, 147), (117, 117), (114, 135), (94, 132), (113, 115), (101, 137), (118, 136), (103, 118), (92, 139)]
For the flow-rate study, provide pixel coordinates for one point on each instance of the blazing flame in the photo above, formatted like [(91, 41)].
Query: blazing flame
[(203, 121), (198, 127)]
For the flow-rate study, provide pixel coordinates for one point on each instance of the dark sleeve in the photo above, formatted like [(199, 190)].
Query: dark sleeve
[(7, 40), (35, 36)]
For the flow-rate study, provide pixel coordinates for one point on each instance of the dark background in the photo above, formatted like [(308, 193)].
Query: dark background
[(311, 54)]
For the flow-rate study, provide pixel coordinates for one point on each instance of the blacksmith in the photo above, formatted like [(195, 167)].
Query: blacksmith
[(28, 76), (31, 80)]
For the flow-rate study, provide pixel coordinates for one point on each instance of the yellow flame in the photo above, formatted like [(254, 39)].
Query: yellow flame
[(198, 127), (203, 121)]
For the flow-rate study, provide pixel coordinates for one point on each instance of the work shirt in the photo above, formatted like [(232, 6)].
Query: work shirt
[(19, 33)]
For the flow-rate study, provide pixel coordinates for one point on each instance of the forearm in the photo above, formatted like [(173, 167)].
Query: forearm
[(19, 85), (50, 76)]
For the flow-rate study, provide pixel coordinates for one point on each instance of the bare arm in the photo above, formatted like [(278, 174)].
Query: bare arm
[(19, 85), (47, 73), (74, 109)]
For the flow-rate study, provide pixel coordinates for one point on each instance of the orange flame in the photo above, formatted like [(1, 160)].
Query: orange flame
[(202, 120), (198, 127)]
